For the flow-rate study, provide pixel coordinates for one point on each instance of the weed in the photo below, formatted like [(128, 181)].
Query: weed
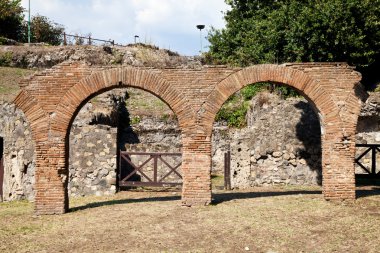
[(135, 120), (118, 57), (234, 116), (6, 59)]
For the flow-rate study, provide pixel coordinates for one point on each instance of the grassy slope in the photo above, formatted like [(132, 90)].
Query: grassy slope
[(9, 79)]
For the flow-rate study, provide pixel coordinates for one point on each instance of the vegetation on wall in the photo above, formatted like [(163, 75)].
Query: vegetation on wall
[(234, 110)]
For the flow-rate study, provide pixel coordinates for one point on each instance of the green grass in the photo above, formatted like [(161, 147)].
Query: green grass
[(9, 81), (217, 181)]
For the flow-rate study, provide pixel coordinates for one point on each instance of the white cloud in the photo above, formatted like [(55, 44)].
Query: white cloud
[(164, 22)]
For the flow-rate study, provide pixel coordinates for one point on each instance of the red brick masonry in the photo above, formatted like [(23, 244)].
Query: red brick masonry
[(52, 98)]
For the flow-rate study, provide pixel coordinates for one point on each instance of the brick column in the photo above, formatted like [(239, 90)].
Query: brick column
[(51, 179), (196, 169), (338, 153)]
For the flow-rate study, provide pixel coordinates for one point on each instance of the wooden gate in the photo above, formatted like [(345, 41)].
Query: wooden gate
[(372, 149), (143, 174)]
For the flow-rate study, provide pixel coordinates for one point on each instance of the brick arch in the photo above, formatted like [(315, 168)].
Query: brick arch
[(101, 81), (338, 137), (304, 84), (51, 100), (37, 118)]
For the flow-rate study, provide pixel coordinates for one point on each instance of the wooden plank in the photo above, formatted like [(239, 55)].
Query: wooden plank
[(155, 182)]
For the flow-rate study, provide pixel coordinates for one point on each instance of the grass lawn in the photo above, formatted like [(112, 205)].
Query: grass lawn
[(260, 220)]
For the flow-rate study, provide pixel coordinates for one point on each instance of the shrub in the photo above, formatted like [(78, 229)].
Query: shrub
[(6, 59)]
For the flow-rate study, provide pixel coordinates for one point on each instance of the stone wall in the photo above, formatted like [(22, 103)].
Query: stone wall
[(281, 144), (19, 161)]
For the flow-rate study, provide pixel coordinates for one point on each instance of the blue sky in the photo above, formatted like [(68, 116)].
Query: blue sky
[(165, 23)]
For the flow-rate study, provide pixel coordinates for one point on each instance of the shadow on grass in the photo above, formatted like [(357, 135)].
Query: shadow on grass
[(228, 196), (223, 197), (217, 198), (361, 193), (123, 201)]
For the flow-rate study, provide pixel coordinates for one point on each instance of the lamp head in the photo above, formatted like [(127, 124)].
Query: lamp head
[(200, 27)]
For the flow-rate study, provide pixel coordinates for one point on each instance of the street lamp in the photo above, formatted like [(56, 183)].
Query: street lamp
[(200, 27), (136, 36)]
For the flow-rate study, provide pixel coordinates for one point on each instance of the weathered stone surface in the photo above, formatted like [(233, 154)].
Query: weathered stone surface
[(19, 165), (42, 56)]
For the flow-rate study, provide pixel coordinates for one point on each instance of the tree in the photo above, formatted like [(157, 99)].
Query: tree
[(45, 30), (11, 19), (280, 31)]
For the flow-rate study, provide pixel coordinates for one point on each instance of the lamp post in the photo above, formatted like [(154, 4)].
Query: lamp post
[(200, 27), (29, 24)]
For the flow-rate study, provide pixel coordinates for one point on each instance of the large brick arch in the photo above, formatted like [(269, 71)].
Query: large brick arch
[(50, 100), (144, 79), (319, 98), (98, 82), (338, 123)]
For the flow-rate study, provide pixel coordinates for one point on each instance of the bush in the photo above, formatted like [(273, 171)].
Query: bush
[(11, 19), (234, 110), (44, 30), (6, 59)]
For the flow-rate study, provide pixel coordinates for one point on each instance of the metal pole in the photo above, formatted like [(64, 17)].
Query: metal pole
[(200, 27), (29, 24), (200, 32)]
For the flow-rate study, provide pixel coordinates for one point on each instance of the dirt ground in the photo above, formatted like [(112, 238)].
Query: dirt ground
[(261, 220)]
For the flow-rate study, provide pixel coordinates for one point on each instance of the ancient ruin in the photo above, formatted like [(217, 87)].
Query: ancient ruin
[(52, 98)]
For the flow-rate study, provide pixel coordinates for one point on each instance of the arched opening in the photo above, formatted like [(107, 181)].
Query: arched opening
[(367, 157), (273, 136), (120, 139)]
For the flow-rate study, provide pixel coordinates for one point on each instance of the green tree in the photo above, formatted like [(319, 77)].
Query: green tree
[(45, 30), (11, 19), (277, 31)]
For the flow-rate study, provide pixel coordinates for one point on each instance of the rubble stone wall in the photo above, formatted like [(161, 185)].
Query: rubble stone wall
[(18, 154), (281, 145)]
